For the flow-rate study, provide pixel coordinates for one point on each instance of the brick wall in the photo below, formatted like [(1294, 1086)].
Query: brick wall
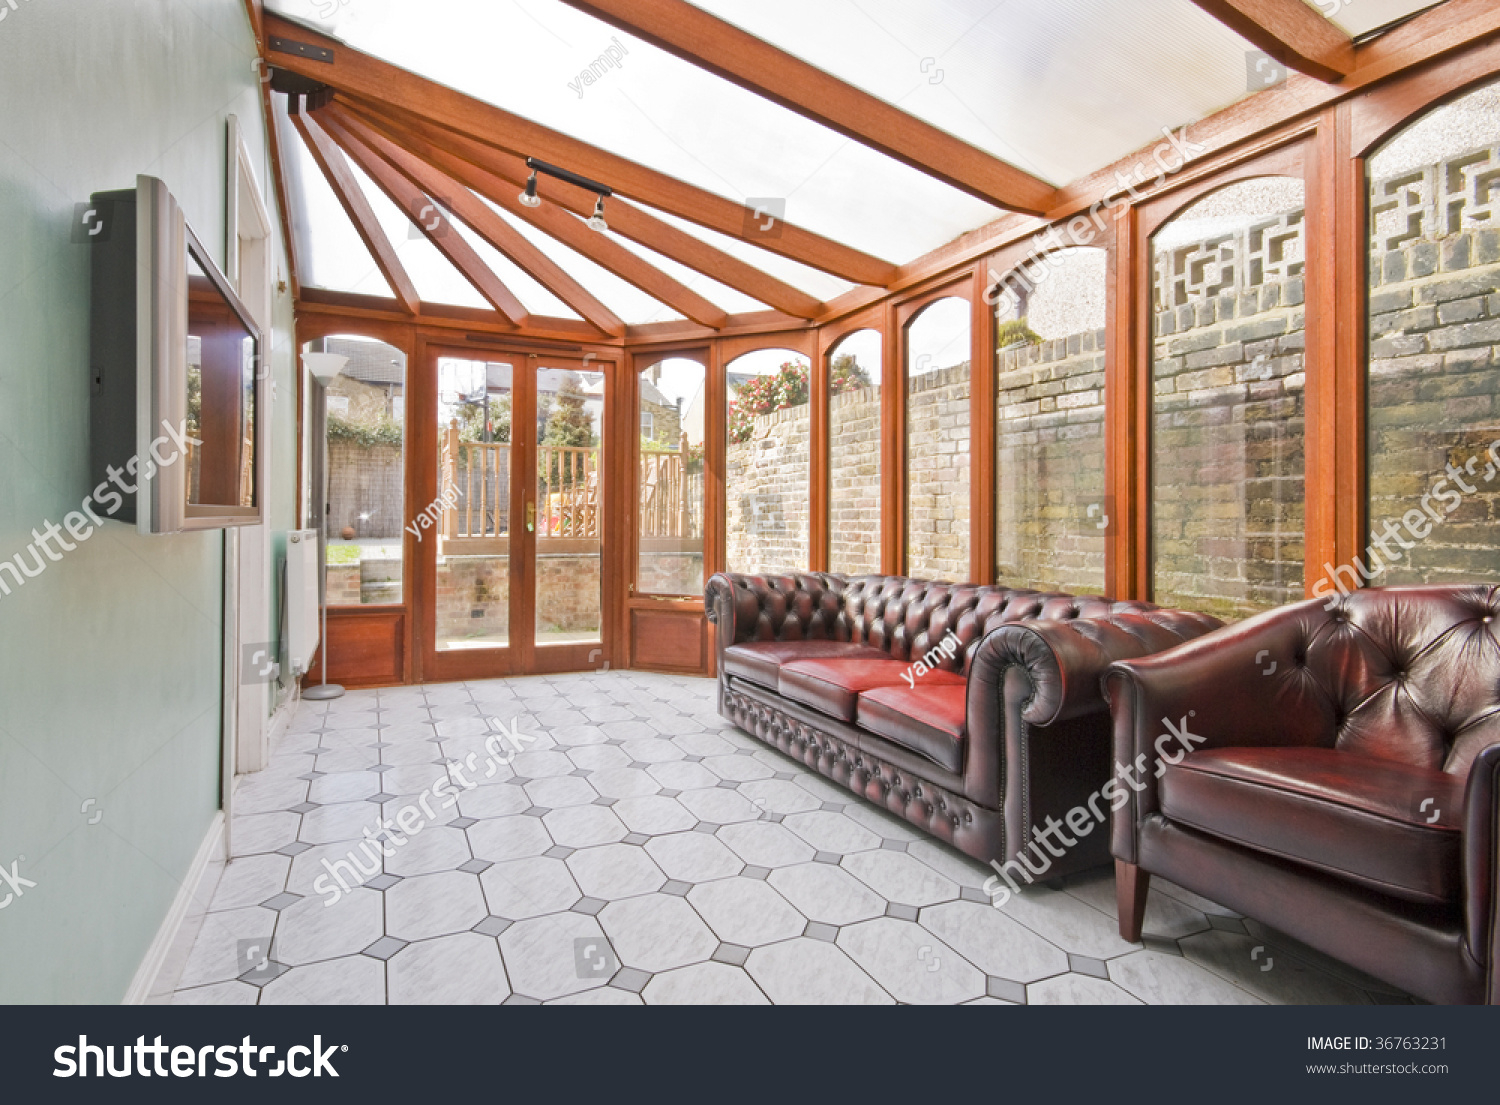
[(1434, 398), (766, 493), (1052, 520), (474, 594), (937, 429), (854, 475)]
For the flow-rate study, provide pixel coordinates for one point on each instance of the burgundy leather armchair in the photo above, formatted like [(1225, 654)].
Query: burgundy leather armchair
[(1332, 772), (1006, 727)]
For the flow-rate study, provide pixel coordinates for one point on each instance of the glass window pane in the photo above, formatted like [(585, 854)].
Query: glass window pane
[(1227, 446), (471, 518), (569, 502), (854, 454), (366, 473), (1051, 516), (1434, 373), (766, 480), (669, 553), (937, 441)]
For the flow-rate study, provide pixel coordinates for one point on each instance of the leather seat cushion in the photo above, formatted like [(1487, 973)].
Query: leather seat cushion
[(1356, 817), (760, 661), (929, 719), (833, 686)]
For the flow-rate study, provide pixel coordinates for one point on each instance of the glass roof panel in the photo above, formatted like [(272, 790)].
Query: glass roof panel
[(1360, 17), (1059, 88), (659, 111)]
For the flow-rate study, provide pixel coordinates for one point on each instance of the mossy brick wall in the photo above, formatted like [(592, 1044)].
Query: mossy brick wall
[(1228, 499), (937, 459), (854, 480), (1052, 519), (766, 483), (1434, 401)]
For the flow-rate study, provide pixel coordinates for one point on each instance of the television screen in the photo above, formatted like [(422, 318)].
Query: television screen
[(221, 366)]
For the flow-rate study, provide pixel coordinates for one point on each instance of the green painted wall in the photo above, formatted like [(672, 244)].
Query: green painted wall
[(110, 659)]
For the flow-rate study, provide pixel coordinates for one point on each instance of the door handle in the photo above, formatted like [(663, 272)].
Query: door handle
[(531, 516)]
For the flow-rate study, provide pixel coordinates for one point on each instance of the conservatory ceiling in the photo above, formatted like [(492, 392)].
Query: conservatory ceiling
[(765, 155)]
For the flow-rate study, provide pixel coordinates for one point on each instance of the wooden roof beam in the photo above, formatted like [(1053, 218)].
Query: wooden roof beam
[(499, 176), (721, 48), (1291, 31), (371, 79), (356, 205), (481, 219), (559, 224), (428, 217)]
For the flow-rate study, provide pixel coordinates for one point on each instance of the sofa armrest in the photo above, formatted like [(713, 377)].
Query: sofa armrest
[(795, 607), (1481, 828), (1241, 686), (1064, 661)]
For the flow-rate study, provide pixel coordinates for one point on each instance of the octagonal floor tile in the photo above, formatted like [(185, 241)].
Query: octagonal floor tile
[(747, 912), (613, 871), (439, 904), (452, 970), (657, 932), (693, 857), (898, 877), (521, 888), (993, 942), (912, 964), (812, 972), (828, 894), (703, 984)]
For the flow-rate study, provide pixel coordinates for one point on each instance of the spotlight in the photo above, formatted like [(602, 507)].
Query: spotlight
[(596, 222), (529, 197)]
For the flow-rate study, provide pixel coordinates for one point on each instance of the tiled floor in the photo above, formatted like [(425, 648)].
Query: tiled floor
[(640, 849)]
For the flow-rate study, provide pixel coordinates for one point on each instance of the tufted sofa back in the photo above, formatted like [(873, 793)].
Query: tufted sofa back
[(907, 618), (1410, 674)]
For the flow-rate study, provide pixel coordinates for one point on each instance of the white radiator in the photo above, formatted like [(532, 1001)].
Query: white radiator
[(301, 597)]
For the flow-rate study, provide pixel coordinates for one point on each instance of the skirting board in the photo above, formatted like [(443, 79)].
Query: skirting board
[(159, 971)]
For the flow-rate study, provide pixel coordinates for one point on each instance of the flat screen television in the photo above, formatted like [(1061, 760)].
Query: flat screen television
[(177, 425)]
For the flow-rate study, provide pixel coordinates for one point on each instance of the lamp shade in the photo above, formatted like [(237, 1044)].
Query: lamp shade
[(325, 366)]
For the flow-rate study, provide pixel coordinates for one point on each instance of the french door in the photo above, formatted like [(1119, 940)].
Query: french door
[(516, 574)]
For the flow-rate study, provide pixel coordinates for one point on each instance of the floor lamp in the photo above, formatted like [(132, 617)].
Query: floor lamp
[(324, 367)]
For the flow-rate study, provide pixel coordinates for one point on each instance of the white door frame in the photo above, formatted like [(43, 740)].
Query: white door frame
[(247, 549)]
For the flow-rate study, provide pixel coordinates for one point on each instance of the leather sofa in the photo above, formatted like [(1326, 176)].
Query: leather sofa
[(1343, 782), (974, 712)]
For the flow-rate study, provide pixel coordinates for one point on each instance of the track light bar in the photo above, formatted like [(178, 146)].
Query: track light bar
[(538, 166)]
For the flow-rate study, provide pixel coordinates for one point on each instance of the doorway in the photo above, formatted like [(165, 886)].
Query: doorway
[(517, 577)]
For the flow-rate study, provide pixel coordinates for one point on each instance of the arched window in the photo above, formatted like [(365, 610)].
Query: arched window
[(669, 549), (937, 441), (766, 455), (854, 441), (1433, 433), (1051, 515), (366, 476), (1227, 501)]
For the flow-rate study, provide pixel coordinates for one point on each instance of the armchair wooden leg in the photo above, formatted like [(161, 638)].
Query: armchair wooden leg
[(1131, 885)]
